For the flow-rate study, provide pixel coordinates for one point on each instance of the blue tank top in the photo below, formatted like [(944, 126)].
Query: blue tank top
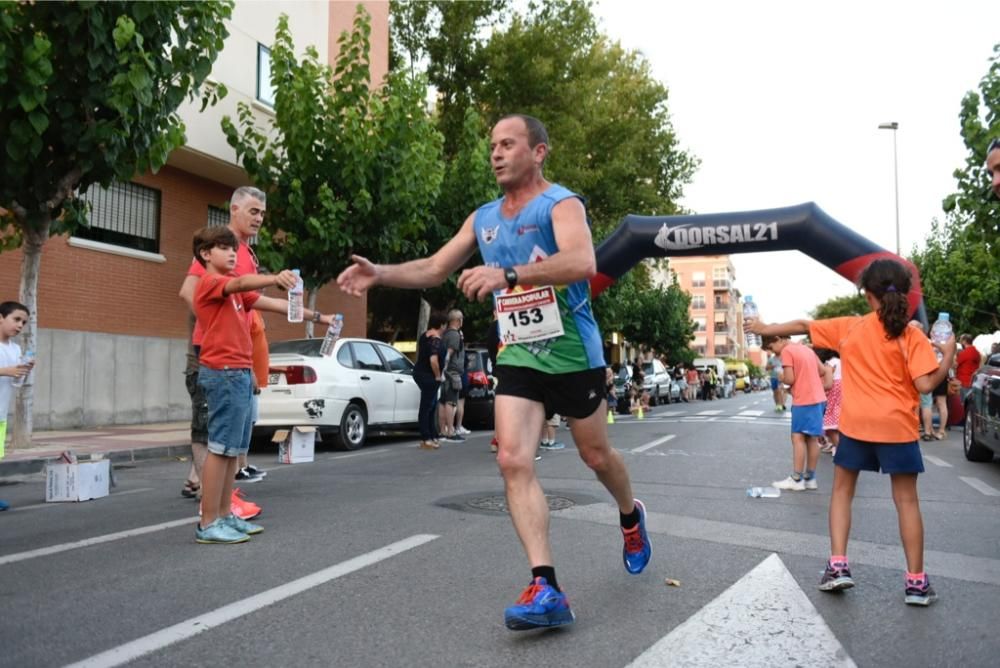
[(526, 238)]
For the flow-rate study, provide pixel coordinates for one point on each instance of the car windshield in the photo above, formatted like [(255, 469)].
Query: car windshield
[(473, 361), (647, 368), (306, 347)]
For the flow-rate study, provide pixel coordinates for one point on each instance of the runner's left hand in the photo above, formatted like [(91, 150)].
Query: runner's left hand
[(479, 282)]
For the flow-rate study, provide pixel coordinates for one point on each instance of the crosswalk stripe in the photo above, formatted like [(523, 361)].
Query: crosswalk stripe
[(979, 486), (708, 413), (937, 461), (751, 413), (653, 444), (192, 627)]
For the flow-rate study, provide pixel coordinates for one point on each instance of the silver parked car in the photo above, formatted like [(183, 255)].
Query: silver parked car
[(363, 386), (981, 435), (662, 388)]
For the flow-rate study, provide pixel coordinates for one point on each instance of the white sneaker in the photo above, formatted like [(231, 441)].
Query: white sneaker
[(791, 484), (463, 431), (811, 483)]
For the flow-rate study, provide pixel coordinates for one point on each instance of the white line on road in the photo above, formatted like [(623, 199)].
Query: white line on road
[(751, 413), (979, 486), (97, 540), (742, 408), (708, 412), (937, 461), (192, 627), (653, 444), (36, 506)]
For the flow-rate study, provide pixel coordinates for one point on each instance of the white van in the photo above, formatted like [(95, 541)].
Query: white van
[(703, 364)]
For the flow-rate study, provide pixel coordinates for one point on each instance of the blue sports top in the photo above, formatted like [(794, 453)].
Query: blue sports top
[(526, 238)]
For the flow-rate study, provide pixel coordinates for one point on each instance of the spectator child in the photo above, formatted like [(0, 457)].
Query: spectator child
[(13, 318), (220, 304), (885, 365), (834, 394)]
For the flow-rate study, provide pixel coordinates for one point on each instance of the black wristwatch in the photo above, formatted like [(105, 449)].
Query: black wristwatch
[(511, 276), (317, 316)]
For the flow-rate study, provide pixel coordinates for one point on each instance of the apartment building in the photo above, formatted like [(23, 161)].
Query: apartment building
[(715, 304), (113, 333)]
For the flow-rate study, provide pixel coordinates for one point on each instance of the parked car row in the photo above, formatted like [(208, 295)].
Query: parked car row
[(981, 432), (364, 387)]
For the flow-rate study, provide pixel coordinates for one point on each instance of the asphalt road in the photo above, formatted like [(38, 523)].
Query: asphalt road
[(396, 556)]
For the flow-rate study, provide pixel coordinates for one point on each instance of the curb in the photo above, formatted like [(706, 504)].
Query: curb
[(38, 464)]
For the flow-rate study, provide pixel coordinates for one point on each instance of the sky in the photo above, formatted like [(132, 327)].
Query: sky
[(781, 102)]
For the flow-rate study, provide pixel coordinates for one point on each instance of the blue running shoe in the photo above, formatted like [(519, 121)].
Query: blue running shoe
[(4, 505), (241, 525), (540, 606), (219, 532), (637, 549)]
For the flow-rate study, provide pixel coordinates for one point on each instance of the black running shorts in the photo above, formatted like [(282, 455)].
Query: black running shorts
[(574, 395)]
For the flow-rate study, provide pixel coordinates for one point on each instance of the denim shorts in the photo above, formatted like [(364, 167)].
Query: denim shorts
[(926, 400), (808, 419), (230, 400), (886, 457)]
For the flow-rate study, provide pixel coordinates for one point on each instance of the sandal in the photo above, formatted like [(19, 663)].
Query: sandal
[(941, 436), (926, 437), (190, 490)]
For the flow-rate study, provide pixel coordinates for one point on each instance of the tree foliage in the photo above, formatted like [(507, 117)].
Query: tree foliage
[(347, 169), (841, 306), (958, 262), (89, 93)]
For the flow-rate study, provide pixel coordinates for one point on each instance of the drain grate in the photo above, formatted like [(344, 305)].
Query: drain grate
[(498, 503)]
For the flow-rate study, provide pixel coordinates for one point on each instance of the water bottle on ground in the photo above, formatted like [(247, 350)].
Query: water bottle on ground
[(296, 309), (27, 357), (750, 311), (941, 331), (332, 334), (763, 492)]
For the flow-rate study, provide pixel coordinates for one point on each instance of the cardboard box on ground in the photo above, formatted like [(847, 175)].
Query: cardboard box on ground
[(71, 480), (296, 445)]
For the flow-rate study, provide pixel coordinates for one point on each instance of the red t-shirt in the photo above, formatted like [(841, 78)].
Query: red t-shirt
[(966, 364), (226, 340), (880, 403), (807, 388), (246, 263)]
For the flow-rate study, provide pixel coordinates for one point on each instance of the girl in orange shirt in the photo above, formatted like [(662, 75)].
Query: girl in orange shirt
[(885, 365)]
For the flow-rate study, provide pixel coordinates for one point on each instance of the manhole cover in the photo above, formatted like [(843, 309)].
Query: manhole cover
[(498, 503)]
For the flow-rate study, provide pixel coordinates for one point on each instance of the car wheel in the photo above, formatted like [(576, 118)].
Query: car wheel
[(974, 452), (654, 397), (353, 428)]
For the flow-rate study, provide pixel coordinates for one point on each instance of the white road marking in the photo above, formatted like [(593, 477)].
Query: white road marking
[(708, 412), (97, 540), (937, 461), (36, 506), (742, 408), (764, 619), (192, 627), (979, 486), (751, 413), (653, 444)]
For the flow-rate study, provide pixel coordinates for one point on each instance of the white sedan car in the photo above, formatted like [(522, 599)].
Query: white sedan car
[(364, 385)]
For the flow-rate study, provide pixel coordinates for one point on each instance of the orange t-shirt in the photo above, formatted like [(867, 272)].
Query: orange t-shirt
[(225, 342), (261, 360), (808, 386), (246, 263), (880, 403)]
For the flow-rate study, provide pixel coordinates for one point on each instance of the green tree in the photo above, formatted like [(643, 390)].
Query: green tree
[(958, 262), (90, 94), (347, 169), (841, 306)]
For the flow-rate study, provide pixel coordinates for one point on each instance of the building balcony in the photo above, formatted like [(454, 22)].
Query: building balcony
[(721, 284)]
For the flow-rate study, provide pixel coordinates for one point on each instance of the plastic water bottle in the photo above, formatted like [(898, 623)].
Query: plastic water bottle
[(763, 492), (27, 357), (750, 311), (332, 334), (941, 331), (296, 309)]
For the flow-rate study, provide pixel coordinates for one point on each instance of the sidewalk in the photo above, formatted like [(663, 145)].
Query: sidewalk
[(119, 443)]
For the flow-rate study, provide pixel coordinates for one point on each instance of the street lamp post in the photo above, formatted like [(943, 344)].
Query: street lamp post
[(895, 172)]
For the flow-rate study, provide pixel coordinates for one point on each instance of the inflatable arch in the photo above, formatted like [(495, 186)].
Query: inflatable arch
[(804, 227)]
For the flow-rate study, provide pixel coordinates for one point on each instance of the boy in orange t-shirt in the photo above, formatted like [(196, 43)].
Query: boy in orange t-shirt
[(885, 364), (221, 301), (806, 375)]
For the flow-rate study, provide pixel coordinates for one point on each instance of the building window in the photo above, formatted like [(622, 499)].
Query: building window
[(265, 92), (698, 279), (699, 324), (698, 301), (217, 216), (720, 277), (123, 214), (700, 350)]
